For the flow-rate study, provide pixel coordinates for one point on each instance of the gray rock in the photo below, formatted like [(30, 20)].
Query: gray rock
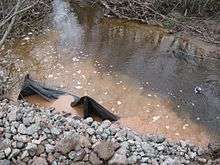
[(2, 155), (28, 131), (31, 148), (39, 161), (88, 120), (132, 159), (99, 130), (148, 149), (105, 124), (105, 150), (68, 143), (40, 149), (5, 162), (24, 154), (55, 131), (7, 151), (12, 115), (94, 159), (80, 155), (19, 145), (72, 155), (84, 142), (144, 160), (95, 125), (168, 161), (90, 131), (159, 139), (14, 153), (49, 148), (118, 159), (160, 147), (21, 138), (77, 156), (22, 129)]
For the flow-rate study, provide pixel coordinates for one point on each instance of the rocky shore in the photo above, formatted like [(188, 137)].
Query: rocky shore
[(33, 135)]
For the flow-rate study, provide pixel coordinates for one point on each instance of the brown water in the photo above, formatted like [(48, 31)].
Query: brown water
[(135, 71)]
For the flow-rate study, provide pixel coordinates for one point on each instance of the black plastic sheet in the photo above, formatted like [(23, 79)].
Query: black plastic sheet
[(90, 106)]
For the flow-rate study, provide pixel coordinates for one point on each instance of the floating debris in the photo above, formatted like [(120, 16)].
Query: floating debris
[(155, 118), (50, 76), (167, 127), (185, 126), (74, 59), (119, 102), (78, 71), (198, 90), (78, 87)]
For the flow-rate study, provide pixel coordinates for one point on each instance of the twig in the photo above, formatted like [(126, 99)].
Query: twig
[(10, 25)]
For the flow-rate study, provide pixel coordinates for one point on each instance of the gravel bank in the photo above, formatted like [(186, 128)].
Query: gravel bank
[(31, 135)]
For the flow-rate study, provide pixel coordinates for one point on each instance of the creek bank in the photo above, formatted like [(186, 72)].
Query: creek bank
[(34, 135)]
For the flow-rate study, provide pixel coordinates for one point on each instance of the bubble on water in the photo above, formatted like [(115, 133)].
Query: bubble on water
[(167, 127), (178, 106), (78, 87), (61, 86), (177, 134), (78, 71), (185, 126), (83, 76), (75, 59), (149, 95), (105, 93), (94, 72), (119, 102), (155, 118), (198, 118), (78, 82), (50, 76)]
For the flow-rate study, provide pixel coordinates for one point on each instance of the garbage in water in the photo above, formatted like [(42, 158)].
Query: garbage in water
[(89, 105)]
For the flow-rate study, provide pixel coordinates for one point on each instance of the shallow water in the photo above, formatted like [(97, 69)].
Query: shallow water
[(135, 71)]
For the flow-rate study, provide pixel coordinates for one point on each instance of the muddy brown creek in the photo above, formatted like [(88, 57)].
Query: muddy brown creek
[(136, 71)]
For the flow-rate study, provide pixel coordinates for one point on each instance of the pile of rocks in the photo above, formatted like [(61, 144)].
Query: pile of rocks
[(31, 135)]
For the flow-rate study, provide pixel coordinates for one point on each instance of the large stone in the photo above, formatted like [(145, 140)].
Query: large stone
[(68, 143), (94, 159), (31, 148), (84, 142), (148, 149), (12, 115), (105, 150), (118, 159)]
